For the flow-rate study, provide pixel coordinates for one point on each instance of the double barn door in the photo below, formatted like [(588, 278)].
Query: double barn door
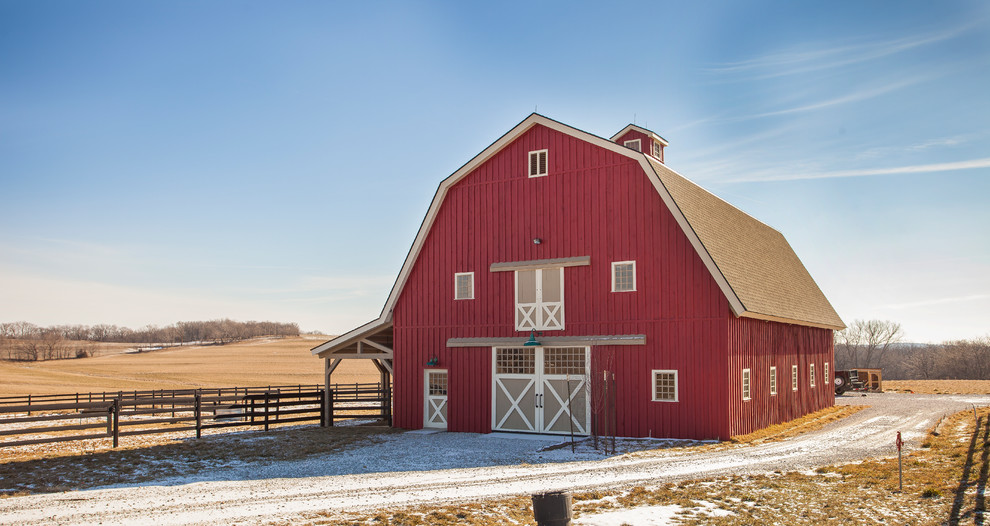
[(541, 390)]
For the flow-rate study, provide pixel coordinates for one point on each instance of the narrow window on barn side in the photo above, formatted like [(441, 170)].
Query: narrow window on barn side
[(827, 379), (746, 384), (635, 144), (538, 163), (773, 380), (664, 386), (811, 373), (657, 150), (464, 286), (623, 276), (794, 378)]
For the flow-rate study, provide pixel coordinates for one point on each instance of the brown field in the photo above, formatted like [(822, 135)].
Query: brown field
[(285, 361), (938, 386)]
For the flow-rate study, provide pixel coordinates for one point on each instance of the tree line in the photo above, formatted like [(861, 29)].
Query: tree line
[(22, 340), (877, 344)]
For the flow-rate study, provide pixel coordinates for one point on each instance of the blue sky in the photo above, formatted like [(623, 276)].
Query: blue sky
[(167, 161)]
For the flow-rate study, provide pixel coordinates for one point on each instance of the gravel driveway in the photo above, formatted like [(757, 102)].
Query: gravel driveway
[(413, 468)]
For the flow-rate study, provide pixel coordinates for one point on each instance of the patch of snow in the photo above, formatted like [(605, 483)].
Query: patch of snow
[(645, 515)]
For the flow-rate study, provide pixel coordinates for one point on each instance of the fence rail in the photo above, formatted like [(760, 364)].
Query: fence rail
[(39, 419)]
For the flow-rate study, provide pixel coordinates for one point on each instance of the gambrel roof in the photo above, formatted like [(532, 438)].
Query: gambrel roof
[(754, 266)]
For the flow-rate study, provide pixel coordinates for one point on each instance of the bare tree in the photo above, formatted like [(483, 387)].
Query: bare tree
[(865, 343), (923, 363), (966, 359)]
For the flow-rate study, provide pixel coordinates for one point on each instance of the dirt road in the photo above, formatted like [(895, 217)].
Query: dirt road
[(412, 468)]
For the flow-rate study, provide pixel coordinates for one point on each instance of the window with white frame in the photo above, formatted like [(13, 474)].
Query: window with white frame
[(657, 150), (794, 378), (464, 286), (811, 373), (623, 276), (827, 379), (538, 163), (773, 380), (664, 386), (746, 384), (635, 144), (540, 299)]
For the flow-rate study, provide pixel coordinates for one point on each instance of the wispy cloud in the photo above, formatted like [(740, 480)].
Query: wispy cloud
[(822, 57), (936, 301), (943, 142), (797, 175), (857, 96)]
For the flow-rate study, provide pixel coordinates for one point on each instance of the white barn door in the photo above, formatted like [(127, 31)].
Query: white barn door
[(541, 390), (540, 299), (435, 410)]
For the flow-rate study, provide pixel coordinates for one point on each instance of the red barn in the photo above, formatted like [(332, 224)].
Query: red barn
[(562, 281)]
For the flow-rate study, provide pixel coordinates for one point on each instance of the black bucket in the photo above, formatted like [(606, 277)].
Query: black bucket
[(552, 509)]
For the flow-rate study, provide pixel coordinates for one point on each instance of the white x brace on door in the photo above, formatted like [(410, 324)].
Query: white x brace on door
[(541, 390), (435, 407)]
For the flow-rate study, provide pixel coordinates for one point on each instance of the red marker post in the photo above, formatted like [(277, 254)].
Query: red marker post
[(900, 471)]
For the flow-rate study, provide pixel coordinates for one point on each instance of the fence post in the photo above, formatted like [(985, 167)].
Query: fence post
[(116, 421), (110, 420), (29, 405), (321, 396), (387, 403), (330, 397), (266, 409), (199, 415)]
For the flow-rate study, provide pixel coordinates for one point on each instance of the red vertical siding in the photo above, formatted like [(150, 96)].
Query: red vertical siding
[(593, 203), (758, 345)]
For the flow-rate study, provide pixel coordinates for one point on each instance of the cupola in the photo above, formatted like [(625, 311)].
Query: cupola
[(641, 140)]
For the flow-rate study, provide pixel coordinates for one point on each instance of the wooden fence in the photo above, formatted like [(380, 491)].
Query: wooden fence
[(38, 419)]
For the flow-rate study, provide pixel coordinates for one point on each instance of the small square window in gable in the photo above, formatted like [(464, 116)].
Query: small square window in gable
[(538, 163), (635, 144), (464, 286), (623, 276)]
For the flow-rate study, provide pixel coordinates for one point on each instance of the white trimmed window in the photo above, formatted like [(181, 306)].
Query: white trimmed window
[(746, 384), (811, 373), (623, 276), (664, 386), (464, 286), (635, 144), (538, 163), (827, 379), (657, 150), (773, 380), (794, 378)]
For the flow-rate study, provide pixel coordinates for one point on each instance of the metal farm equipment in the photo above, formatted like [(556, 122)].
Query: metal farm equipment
[(870, 380)]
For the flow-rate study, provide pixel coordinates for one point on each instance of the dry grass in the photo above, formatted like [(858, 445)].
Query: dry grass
[(140, 462), (809, 422), (285, 361), (938, 386), (941, 484)]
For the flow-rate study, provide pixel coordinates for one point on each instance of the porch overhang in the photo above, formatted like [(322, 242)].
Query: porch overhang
[(552, 341), (371, 341)]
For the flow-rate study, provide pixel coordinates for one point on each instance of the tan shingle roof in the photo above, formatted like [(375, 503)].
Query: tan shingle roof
[(756, 261)]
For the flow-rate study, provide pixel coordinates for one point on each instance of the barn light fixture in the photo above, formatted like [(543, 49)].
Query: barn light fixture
[(537, 241), (531, 342), (433, 362)]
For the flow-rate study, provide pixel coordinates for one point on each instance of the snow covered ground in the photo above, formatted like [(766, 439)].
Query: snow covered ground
[(417, 468)]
